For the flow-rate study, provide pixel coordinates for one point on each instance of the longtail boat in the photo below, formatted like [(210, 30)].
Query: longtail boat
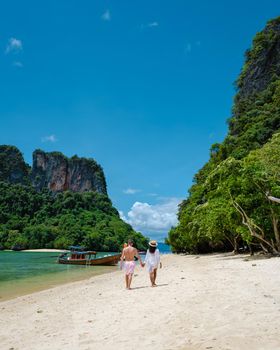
[(79, 256)]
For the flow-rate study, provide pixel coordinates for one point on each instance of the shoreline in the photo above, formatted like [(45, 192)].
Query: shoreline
[(40, 273), (216, 302), (41, 250), (23, 291), (44, 250)]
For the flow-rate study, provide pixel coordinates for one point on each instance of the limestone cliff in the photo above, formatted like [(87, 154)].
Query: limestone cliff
[(58, 173), (262, 61), (52, 171), (13, 169)]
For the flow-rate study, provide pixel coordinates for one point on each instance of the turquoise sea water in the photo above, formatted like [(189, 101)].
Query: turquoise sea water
[(164, 248), (25, 272)]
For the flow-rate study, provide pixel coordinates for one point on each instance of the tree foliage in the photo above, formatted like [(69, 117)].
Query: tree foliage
[(228, 204), (32, 219)]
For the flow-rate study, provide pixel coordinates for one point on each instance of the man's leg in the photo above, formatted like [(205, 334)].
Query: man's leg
[(126, 281), (129, 280)]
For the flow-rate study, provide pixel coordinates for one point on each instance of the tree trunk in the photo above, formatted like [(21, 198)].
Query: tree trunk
[(235, 245), (253, 228), (251, 250), (275, 222)]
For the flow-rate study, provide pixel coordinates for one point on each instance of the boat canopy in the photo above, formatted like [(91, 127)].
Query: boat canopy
[(78, 250)]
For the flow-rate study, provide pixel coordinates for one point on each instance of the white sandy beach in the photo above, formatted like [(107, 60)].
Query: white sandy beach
[(206, 302)]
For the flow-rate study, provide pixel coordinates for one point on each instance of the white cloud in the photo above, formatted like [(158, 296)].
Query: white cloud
[(106, 16), (150, 25), (153, 24), (14, 45), (122, 216), (155, 218), (131, 191), (18, 64), (190, 46), (50, 138)]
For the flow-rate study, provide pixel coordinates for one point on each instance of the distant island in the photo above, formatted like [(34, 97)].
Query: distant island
[(56, 203), (229, 205)]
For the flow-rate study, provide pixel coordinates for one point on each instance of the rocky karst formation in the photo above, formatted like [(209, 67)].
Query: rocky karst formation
[(58, 173), (262, 62), (13, 169), (52, 171)]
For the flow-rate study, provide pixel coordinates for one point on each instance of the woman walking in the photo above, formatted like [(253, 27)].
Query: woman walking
[(152, 261)]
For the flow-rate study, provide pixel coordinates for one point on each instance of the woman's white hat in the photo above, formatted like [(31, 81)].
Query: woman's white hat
[(153, 244)]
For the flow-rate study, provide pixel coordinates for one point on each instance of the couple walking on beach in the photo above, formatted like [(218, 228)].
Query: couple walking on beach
[(152, 260)]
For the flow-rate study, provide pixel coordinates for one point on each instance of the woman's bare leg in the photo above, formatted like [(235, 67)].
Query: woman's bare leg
[(155, 276), (152, 278)]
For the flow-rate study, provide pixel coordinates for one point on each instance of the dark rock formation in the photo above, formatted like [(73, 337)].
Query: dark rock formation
[(49, 170), (256, 111), (58, 173), (262, 61), (85, 175), (52, 171), (13, 169)]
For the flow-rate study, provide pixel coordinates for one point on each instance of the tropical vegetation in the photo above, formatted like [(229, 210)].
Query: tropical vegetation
[(30, 218), (229, 205)]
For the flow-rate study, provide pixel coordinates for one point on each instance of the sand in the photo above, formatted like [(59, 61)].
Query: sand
[(202, 302), (44, 250)]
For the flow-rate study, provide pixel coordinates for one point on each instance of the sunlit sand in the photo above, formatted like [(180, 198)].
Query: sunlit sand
[(201, 302)]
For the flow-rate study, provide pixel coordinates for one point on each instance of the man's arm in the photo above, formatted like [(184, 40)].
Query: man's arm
[(139, 257), (122, 258)]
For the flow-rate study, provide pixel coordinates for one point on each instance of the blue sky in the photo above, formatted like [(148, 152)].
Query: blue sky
[(144, 87)]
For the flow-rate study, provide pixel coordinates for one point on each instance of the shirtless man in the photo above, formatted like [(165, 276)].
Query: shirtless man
[(128, 255)]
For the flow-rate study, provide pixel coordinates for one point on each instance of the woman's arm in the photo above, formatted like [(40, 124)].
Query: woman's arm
[(146, 258), (158, 258), (139, 257)]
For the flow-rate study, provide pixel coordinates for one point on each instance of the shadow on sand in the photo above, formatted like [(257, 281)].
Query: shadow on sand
[(244, 257), (158, 285)]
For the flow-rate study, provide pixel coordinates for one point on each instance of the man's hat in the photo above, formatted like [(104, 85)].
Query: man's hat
[(153, 243)]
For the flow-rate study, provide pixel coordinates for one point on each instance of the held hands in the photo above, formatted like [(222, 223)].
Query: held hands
[(142, 264)]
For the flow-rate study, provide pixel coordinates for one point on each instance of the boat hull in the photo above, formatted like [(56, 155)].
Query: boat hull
[(106, 260)]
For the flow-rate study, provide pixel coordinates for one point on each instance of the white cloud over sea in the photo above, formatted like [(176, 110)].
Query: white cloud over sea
[(153, 217)]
